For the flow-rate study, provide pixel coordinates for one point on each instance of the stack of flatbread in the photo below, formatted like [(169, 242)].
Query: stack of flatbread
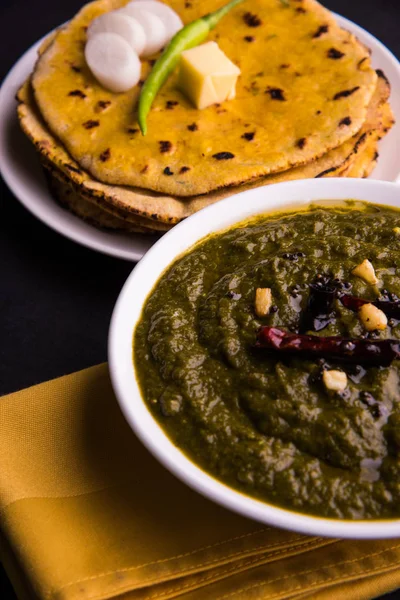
[(308, 104)]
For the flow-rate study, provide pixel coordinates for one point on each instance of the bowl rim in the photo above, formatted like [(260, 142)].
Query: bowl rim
[(127, 312)]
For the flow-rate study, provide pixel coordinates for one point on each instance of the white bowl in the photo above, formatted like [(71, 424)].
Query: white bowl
[(128, 311)]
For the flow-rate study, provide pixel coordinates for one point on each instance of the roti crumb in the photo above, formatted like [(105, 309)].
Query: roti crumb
[(103, 104), (346, 93), (165, 146), (345, 121), (167, 171), (223, 155), (320, 31), (77, 93), (104, 156), (335, 54), (276, 94), (169, 105), (193, 127), (90, 124), (184, 169), (249, 38), (301, 143), (251, 20), (248, 135)]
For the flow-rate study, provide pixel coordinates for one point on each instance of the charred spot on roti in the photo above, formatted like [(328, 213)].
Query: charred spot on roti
[(301, 143), (249, 38), (252, 20), (376, 155), (249, 135), (165, 146), (276, 94), (145, 169), (301, 10), (320, 31), (77, 94), (346, 93), (361, 62), (382, 75), (184, 170), (169, 105), (359, 142), (326, 172), (90, 124), (284, 66), (167, 171), (335, 54), (103, 104), (133, 130), (76, 68), (223, 155), (72, 168), (104, 156), (193, 127), (345, 121)]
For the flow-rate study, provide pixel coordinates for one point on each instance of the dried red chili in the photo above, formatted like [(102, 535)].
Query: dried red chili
[(358, 351), (391, 309)]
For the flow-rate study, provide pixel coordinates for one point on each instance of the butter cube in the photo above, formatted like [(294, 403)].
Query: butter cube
[(207, 76)]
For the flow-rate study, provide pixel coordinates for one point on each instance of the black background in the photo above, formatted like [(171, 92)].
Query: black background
[(56, 297)]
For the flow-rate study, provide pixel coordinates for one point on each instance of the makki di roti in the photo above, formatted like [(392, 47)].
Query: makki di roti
[(147, 210), (304, 89), (263, 421)]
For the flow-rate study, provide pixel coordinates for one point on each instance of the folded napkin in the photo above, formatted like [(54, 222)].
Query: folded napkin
[(86, 513)]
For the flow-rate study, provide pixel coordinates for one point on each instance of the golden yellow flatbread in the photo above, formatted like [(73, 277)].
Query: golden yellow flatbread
[(304, 89), (140, 206), (68, 197)]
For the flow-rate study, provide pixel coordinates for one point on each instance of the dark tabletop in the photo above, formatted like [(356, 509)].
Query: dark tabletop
[(56, 297)]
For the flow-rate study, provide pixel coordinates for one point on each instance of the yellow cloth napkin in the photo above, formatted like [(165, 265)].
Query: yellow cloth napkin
[(87, 514)]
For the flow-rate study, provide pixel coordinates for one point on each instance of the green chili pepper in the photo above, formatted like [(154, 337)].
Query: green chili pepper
[(189, 36)]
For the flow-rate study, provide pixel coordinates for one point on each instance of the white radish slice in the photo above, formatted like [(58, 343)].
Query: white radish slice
[(112, 61), (124, 25), (154, 28), (169, 17)]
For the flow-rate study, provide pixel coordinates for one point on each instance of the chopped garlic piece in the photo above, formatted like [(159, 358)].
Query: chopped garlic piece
[(335, 380), (372, 318), (263, 301), (366, 271)]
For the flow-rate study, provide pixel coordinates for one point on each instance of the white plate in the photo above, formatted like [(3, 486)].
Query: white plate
[(22, 173)]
